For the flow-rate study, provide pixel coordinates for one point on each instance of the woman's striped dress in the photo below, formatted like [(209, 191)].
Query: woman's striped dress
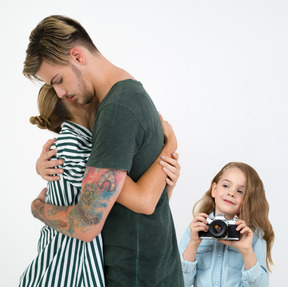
[(64, 261)]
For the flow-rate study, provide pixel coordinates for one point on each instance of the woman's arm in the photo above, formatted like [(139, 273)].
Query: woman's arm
[(142, 196)]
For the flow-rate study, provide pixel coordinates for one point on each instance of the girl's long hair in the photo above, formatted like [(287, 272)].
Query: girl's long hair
[(255, 207)]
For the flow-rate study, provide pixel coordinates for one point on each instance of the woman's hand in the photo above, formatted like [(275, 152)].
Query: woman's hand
[(169, 135), (45, 166), (172, 169)]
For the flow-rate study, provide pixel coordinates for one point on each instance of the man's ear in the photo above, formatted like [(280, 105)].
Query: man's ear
[(213, 190), (77, 55)]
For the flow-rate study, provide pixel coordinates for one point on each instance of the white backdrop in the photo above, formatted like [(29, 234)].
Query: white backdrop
[(217, 71)]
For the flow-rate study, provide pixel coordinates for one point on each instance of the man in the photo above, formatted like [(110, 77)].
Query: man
[(139, 250)]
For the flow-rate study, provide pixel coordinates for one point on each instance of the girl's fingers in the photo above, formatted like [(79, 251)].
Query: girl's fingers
[(240, 224), (244, 230), (199, 226), (201, 217)]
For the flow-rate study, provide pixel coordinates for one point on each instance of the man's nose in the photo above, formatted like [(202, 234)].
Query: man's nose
[(61, 93)]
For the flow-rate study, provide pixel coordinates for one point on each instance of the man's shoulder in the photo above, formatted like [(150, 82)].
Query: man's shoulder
[(128, 95), (124, 90)]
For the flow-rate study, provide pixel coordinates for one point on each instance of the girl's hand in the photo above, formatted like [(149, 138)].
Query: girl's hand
[(244, 245), (199, 223), (246, 237)]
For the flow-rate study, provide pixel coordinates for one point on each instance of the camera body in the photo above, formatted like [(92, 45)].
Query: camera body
[(221, 228)]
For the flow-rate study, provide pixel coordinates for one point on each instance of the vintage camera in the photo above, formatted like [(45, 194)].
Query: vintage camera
[(221, 228)]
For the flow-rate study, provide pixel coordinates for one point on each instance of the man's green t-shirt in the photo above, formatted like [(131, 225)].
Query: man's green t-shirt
[(139, 250)]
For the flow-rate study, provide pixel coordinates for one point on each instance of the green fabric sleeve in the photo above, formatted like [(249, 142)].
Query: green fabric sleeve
[(115, 138)]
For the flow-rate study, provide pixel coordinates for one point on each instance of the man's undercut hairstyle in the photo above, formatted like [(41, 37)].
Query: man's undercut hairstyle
[(52, 40)]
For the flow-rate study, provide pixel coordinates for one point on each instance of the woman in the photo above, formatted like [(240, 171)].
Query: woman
[(66, 261)]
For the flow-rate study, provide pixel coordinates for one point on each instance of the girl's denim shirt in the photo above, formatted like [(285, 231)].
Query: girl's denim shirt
[(222, 265)]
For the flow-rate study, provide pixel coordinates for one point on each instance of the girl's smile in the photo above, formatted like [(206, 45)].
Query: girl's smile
[(228, 192), (229, 202)]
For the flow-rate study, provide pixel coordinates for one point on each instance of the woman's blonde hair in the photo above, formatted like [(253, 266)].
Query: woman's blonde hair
[(52, 40), (52, 110), (255, 208)]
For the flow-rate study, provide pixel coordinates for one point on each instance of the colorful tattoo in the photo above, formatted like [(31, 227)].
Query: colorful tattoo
[(108, 177), (85, 217), (37, 208), (96, 195), (98, 188)]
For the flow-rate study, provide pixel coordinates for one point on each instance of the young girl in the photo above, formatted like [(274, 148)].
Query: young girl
[(236, 191), (67, 261)]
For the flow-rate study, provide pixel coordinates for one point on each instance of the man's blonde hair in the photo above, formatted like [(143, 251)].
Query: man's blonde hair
[(52, 40)]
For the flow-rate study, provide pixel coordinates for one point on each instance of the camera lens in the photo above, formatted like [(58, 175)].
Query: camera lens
[(218, 229)]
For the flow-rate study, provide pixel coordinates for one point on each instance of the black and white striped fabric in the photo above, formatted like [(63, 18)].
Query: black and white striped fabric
[(62, 260)]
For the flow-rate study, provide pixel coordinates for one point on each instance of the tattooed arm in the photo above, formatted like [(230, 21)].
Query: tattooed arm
[(85, 220)]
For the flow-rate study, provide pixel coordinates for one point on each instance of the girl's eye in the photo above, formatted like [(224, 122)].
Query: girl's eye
[(240, 191), (225, 186)]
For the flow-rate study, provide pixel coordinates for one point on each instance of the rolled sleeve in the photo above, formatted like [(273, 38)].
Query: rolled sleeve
[(253, 273), (257, 275), (187, 266)]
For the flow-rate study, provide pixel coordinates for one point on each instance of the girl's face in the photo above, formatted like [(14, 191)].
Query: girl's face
[(228, 192)]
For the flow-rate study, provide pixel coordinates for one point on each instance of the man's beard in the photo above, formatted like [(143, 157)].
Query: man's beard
[(86, 96)]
